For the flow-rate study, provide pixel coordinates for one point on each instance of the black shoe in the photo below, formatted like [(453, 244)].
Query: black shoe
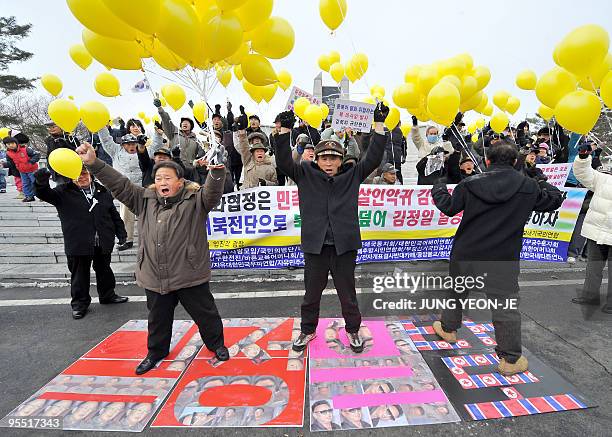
[(585, 301), (222, 354), (115, 299), (125, 246), (78, 314), (607, 309), (147, 364), (28, 199)]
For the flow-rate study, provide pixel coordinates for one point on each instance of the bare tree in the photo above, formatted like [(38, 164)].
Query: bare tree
[(30, 112)]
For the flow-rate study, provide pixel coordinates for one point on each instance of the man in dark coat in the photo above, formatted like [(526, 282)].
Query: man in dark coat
[(58, 139), (90, 223), (496, 205), (395, 150), (328, 194)]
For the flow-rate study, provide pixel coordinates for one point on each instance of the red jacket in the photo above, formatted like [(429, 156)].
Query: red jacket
[(25, 158)]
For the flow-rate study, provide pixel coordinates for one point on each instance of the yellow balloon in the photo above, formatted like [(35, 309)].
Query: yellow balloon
[(238, 72), (107, 85), (453, 66), (593, 79), (113, 53), (370, 100), (4, 132), (175, 96), (166, 58), (482, 75), (156, 118), (473, 102), (324, 109), (64, 113), (469, 87), (324, 62), (360, 64), (606, 89), (553, 85), (583, 49), (94, 115), (145, 20), (334, 57), (227, 5), (313, 115), (254, 12), (412, 74), (484, 101), (179, 28), (406, 128), (239, 54), (258, 70), (443, 100), (500, 99), (253, 91), (513, 104), (467, 60), (526, 80), (499, 122), (471, 128), (163, 101), (274, 39), (428, 77), (480, 123), (578, 111), (349, 71), (51, 83), (268, 91), (377, 91), (474, 138), (393, 118), (200, 111), (406, 96), (332, 12), (224, 75), (221, 35), (80, 56), (97, 17), (337, 71), (284, 79), (488, 110), (141, 114), (545, 112), (146, 120), (66, 162), (300, 105)]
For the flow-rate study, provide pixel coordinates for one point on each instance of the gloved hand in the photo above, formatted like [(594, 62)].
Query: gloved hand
[(262, 182), (229, 106), (287, 119), (380, 112), (157, 103), (142, 139), (242, 121), (218, 109), (458, 118), (176, 152), (190, 103), (415, 121), (300, 148), (584, 150), (42, 176)]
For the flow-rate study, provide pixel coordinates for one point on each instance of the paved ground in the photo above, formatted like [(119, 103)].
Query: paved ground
[(41, 339)]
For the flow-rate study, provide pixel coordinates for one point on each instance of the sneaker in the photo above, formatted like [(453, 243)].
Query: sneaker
[(19, 195), (2, 190), (29, 199), (508, 369), (571, 260), (586, 301), (449, 337), (355, 342), (302, 341)]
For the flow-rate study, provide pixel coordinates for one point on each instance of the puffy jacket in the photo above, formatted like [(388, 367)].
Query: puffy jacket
[(251, 170), (189, 144), (597, 224), (24, 158), (425, 147), (126, 163), (173, 250)]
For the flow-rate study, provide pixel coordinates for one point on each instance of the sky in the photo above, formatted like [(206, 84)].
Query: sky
[(505, 35)]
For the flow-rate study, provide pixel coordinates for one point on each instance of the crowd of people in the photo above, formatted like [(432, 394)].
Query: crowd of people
[(168, 183)]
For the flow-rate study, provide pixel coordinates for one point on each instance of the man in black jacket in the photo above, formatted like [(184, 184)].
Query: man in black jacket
[(496, 205), (90, 223), (58, 139), (328, 194)]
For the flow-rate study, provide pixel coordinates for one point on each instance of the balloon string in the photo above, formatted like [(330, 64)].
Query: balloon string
[(465, 147)]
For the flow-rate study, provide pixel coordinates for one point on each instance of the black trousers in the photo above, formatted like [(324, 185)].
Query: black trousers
[(316, 270), (198, 301), (506, 322), (597, 256), (236, 171), (79, 267)]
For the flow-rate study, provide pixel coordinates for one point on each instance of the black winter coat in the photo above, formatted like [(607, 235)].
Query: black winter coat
[(395, 147), (80, 226), (329, 200), (496, 205)]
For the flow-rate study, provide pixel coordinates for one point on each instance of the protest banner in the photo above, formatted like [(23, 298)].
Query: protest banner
[(260, 227), (557, 173), (296, 93), (357, 116)]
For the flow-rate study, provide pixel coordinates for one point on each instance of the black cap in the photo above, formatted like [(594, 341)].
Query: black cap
[(163, 151), (255, 117), (189, 120)]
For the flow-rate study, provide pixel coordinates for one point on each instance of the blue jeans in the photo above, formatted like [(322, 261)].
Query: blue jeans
[(27, 179), (2, 179)]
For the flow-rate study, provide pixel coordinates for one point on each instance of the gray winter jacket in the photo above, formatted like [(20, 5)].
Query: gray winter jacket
[(189, 144)]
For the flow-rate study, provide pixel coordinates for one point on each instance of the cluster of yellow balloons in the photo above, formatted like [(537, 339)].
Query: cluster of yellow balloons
[(204, 34), (311, 113), (439, 90), (354, 69), (569, 91), (67, 115), (332, 12)]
